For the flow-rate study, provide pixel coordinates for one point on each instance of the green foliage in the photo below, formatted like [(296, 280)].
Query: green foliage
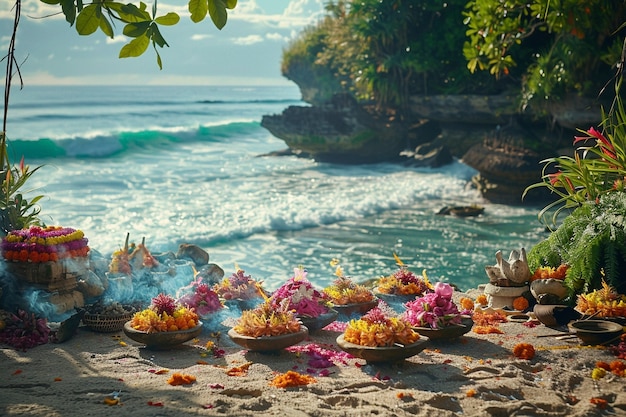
[(592, 241), (16, 212), (555, 47), (384, 51), (598, 166), (139, 24)]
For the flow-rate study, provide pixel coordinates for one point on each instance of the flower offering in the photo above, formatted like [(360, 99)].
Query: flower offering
[(202, 298), (239, 286), (344, 291), (403, 282), (379, 328), (605, 302), (164, 314), (434, 309), (301, 296), (548, 272), (268, 320), (132, 258), (44, 244)]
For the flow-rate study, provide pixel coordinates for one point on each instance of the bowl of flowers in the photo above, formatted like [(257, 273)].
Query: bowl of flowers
[(605, 303), (240, 290), (348, 297), (381, 336), (268, 327), (436, 316), (547, 284), (401, 286), (312, 307), (164, 324), (200, 297)]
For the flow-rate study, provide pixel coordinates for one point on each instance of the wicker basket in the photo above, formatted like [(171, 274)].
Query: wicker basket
[(105, 323)]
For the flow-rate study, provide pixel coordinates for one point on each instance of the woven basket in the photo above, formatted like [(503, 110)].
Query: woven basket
[(106, 323)]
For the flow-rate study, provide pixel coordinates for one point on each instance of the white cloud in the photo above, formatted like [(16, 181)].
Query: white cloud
[(200, 36), (297, 13), (116, 39), (81, 48), (275, 37), (248, 40)]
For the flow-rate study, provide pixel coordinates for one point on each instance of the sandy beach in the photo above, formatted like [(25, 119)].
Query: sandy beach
[(105, 374)]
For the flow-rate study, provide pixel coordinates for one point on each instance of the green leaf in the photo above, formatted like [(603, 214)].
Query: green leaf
[(198, 10), (69, 10), (135, 30), (105, 26), (230, 4), (169, 19), (51, 1), (135, 48), (159, 62), (88, 21), (156, 36), (131, 13), (217, 11)]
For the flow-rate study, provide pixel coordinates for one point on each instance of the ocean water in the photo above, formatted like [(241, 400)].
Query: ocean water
[(186, 165)]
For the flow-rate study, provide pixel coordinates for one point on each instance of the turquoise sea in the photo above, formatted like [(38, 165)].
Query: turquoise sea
[(185, 164)]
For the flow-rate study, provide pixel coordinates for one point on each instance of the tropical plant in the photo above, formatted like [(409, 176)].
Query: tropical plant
[(139, 24), (592, 241), (590, 187), (598, 166), (553, 47)]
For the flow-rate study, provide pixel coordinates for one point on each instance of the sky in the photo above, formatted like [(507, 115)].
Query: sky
[(247, 51)]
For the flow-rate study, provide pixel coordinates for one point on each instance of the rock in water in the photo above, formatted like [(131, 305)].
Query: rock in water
[(194, 253)]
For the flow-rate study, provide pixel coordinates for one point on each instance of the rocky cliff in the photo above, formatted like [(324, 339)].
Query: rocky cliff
[(488, 133)]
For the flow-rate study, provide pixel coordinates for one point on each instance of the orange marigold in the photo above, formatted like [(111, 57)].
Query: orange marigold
[(181, 379), (470, 392), (241, 370), (520, 304), (466, 303), (524, 351), (291, 379), (601, 403), (482, 300), (487, 330)]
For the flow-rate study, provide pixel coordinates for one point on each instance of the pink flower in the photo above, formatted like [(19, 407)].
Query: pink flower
[(301, 295), (434, 309), (444, 290)]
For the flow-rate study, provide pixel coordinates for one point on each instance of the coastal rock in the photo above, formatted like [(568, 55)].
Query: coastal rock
[(194, 253), (428, 155), (506, 167), (489, 133), (341, 131)]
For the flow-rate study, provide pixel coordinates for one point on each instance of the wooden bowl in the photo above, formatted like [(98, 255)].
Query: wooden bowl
[(596, 332), (382, 354), (268, 343), (319, 322), (162, 340), (448, 332)]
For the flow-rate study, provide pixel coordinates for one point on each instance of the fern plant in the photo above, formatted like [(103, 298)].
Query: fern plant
[(592, 241)]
